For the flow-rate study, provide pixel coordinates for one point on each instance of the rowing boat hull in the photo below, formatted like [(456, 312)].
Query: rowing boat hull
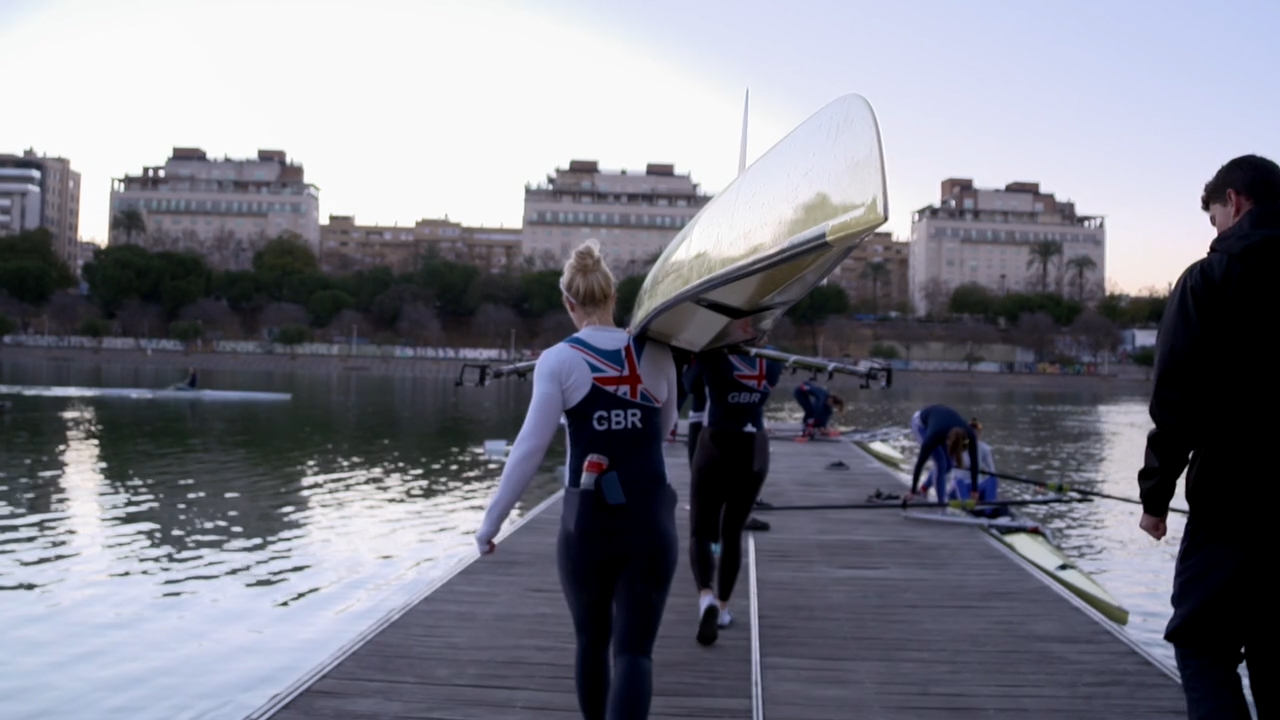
[(772, 236), (139, 393), (1033, 547)]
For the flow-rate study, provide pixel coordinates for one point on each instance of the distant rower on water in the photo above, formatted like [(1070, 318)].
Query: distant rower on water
[(189, 383), (617, 545)]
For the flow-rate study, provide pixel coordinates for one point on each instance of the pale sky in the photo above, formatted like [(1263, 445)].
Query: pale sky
[(404, 110)]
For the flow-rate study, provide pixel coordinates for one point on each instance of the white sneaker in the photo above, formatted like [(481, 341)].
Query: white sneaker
[(708, 619), (725, 618)]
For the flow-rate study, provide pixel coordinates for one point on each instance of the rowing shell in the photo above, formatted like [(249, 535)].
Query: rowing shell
[(139, 393), (1022, 537), (776, 232)]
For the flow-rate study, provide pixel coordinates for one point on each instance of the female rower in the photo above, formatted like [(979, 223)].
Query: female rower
[(697, 390), (818, 405), (617, 546), (989, 487), (730, 463), (944, 436)]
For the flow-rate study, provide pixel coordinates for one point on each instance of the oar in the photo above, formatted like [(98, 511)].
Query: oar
[(965, 505), (1064, 488)]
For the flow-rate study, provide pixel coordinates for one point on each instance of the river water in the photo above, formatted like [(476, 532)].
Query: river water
[(179, 559)]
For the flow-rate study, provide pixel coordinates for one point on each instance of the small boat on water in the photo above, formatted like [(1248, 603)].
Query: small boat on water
[(139, 393), (1023, 537)]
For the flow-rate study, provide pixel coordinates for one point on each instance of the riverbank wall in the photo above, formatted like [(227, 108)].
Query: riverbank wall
[(436, 361)]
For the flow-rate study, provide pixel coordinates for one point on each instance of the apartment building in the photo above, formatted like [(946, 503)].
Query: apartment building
[(876, 290), (223, 209), (989, 237), (41, 191), (633, 215), (347, 247)]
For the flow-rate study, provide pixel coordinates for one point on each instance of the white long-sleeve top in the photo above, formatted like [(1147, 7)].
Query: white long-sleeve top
[(986, 461), (561, 379)]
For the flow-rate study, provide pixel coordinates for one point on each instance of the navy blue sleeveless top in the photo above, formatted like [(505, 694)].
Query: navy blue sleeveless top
[(738, 387), (697, 389), (619, 419)]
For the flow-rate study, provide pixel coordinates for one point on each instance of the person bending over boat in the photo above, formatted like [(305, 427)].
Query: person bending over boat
[(617, 546), (944, 436), (729, 467), (818, 405)]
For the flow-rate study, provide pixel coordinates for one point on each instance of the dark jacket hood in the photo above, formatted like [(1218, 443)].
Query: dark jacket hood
[(1259, 224)]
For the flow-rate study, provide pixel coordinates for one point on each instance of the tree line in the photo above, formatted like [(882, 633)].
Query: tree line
[(134, 291)]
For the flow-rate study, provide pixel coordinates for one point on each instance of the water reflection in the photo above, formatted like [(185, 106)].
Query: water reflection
[(174, 558), (238, 542)]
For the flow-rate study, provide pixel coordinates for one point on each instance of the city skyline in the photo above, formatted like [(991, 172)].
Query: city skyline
[(450, 109)]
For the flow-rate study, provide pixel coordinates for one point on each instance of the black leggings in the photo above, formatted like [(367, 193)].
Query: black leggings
[(729, 467), (616, 583), (695, 429)]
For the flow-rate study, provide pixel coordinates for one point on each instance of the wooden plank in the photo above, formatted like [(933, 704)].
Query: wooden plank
[(497, 642), (862, 614), (866, 614)]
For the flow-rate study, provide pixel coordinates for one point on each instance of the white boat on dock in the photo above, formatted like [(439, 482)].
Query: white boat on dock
[(169, 393)]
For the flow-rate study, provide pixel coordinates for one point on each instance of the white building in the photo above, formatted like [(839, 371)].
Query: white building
[(41, 191), (224, 210), (987, 237), (633, 215)]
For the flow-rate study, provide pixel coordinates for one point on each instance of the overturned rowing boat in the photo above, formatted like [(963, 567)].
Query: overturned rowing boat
[(139, 393), (774, 234), (1025, 538)]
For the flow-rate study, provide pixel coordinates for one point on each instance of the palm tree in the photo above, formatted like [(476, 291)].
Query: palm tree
[(129, 222), (1081, 264), (875, 271), (1043, 253)]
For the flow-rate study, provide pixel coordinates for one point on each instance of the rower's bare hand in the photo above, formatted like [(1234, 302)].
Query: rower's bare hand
[(489, 548), (1153, 526)]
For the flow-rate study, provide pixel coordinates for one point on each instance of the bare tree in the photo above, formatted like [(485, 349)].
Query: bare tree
[(138, 319), (420, 324), (1096, 334), (494, 323), (907, 334), (1037, 332), (66, 312), (340, 327), (553, 328), (217, 319), (936, 297), (280, 314)]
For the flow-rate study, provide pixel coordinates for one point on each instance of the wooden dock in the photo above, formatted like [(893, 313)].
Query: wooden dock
[(858, 614)]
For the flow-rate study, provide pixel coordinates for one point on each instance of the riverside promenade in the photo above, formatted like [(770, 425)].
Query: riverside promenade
[(838, 614)]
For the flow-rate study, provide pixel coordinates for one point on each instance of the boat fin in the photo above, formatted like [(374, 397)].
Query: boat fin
[(742, 150)]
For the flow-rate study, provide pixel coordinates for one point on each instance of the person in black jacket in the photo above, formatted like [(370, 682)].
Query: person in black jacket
[(1214, 399)]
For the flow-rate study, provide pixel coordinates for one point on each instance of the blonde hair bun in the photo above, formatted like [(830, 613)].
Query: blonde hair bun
[(586, 279), (587, 258)]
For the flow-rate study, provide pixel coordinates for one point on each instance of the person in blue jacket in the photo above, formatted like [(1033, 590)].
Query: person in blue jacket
[(818, 406), (945, 436)]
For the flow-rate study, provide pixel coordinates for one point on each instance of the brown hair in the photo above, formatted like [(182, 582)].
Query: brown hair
[(977, 426), (837, 401), (957, 444), (586, 279), (1250, 176)]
